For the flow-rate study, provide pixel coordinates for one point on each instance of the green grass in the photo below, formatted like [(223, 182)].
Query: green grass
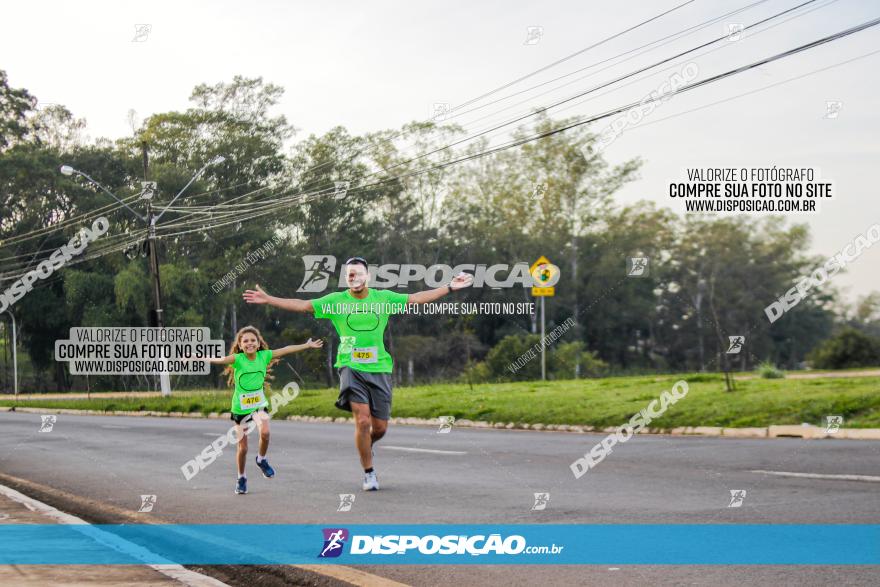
[(594, 402)]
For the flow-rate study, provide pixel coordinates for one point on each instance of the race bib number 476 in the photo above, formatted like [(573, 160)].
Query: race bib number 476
[(249, 400)]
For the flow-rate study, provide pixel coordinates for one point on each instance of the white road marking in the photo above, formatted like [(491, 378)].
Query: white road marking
[(822, 476), (428, 450), (174, 571)]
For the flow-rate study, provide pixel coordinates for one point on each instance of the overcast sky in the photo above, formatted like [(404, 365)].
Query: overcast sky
[(376, 65)]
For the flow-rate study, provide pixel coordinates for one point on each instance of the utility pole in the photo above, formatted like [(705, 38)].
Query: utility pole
[(157, 318), (151, 220), (14, 354)]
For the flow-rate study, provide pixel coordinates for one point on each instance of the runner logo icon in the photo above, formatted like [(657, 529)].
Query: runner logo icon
[(637, 266), (736, 344), (737, 496), (541, 501), (47, 423), (147, 503), (446, 423), (319, 268), (334, 540), (834, 423), (346, 500)]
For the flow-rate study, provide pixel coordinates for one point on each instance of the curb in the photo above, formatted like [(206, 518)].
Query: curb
[(184, 575), (773, 431), (174, 571)]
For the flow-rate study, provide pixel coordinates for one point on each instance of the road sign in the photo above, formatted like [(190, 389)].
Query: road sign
[(545, 274)]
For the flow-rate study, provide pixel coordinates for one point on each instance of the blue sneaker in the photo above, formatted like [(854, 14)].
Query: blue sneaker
[(268, 471), (241, 486)]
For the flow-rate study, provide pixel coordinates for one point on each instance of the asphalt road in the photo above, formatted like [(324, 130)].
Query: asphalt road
[(466, 476)]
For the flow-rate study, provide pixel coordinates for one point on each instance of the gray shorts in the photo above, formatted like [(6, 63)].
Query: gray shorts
[(365, 388)]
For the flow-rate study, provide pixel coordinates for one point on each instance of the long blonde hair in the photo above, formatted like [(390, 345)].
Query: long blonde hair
[(235, 348)]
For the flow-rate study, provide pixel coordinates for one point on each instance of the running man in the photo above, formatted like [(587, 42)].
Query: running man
[(360, 315)]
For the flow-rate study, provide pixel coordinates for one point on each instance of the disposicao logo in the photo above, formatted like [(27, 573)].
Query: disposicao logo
[(320, 269)]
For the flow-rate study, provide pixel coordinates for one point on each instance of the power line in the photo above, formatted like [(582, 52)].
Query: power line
[(659, 71), (270, 207), (89, 215), (84, 217), (55, 228), (634, 81), (681, 90), (757, 90), (446, 147), (36, 233), (527, 76), (658, 42), (606, 84), (518, 142), (25, 267), (575, 54)]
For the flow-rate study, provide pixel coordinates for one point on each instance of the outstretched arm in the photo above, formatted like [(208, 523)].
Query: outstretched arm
[(295, 348), (258, 296), (461, 280), (227, 360)]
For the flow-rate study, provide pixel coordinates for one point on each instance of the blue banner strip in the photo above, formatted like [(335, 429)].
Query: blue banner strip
[(618, 544)]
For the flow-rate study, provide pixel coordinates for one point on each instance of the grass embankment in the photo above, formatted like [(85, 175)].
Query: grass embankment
[(593, 402)]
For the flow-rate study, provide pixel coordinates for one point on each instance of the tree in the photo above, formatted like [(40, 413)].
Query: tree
[(15, 106), (846, 349), (709, 278), (572, 360), (865, 316), (56, 128)]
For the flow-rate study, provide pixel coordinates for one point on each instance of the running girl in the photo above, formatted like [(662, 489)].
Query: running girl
[(249, 358)]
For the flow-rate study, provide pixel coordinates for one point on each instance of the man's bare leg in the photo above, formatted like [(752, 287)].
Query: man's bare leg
[(377, 430), (363, 433)]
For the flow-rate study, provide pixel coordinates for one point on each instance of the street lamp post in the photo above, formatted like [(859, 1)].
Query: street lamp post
[(150, 220), (68, 170)]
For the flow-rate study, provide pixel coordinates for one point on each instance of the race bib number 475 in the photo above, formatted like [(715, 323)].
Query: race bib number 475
[(368, 354)]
